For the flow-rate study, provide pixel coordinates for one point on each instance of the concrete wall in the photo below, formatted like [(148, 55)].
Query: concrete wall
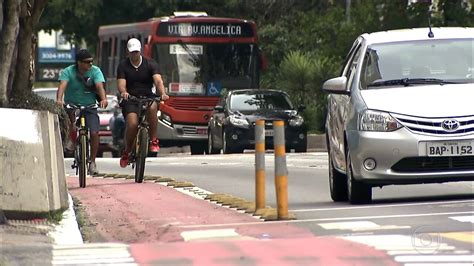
[(32, 174)]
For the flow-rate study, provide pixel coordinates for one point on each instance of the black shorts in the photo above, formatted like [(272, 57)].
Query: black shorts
[(130, 107), (92, 119)]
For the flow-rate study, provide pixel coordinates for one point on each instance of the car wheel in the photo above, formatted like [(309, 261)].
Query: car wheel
[(301, 148), (337, 182), (357, 191), (226, 148), (210, 144)]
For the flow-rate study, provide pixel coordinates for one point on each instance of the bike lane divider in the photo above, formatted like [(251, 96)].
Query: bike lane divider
[(162, 224)]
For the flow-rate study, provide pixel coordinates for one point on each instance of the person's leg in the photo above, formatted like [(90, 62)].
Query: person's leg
[(94, 145), (93, 123), (152, 118), (130, 131)]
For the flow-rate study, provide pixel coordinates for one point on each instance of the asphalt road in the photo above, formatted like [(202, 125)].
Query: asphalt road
[(429, 219)]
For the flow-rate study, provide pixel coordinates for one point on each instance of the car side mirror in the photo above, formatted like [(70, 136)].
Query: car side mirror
[(336, 85), (219, 108)]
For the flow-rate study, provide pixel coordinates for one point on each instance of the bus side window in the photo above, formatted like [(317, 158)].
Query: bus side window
[(122, 49), (104, 57)]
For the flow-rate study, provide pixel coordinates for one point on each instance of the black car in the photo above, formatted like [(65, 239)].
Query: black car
[(232, 124)]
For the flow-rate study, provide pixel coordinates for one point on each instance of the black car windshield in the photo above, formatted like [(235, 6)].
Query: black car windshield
[(259, 101), (418, 62)]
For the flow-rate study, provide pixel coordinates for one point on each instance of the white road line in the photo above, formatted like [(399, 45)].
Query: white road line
[(382, 206), (416, 249), (328, 219), (436, 258), (92, 254), (467, 219), (359, 226), (209, 234)]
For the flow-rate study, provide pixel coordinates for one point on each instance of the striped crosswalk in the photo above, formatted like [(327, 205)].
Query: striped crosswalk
[(92, 254), (417, 250)]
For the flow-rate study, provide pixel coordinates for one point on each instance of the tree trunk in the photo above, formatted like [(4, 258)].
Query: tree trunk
[(31, 12), (8, 36)]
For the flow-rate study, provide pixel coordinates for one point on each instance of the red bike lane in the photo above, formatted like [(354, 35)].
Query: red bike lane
[(163, 226)]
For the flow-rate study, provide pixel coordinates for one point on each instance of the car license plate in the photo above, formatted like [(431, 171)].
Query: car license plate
[(106, 139), (450, 148), (201, 131), (269, 132)]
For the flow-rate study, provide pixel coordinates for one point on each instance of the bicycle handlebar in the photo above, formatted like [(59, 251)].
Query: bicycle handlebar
[(81, 107)]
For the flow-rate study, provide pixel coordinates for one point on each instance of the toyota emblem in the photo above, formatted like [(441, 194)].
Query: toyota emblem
[(450, 125)]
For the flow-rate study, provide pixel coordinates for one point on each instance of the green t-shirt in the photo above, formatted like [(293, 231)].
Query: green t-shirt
[(76, 92)]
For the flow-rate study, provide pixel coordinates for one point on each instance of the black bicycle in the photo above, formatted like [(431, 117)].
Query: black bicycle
[(140, 151), (82, 151)]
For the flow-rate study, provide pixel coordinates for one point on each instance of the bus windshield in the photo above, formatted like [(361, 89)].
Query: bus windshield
[(205, 69)]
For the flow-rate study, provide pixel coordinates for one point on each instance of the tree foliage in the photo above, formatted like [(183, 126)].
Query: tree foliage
[(298, 37)]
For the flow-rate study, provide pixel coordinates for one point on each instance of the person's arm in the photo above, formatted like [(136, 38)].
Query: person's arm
[(60, 93), (122, 82), (99, 81), (99, 86), (122, 88), (159, 85)]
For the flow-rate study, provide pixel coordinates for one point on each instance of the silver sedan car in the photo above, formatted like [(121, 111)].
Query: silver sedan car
[(402, 112)]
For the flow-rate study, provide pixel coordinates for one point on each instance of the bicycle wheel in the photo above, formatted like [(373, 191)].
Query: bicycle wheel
[(142, 150), (82, 160)]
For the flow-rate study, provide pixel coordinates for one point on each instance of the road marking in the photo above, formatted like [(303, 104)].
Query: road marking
[(469, 218), (359, 226), (209, 234), (467, 237), (436, 258), (92, 254), (328, 219), (382, 206), (418, 249)]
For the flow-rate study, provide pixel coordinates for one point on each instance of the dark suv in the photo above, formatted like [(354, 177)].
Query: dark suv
[(232, 124)]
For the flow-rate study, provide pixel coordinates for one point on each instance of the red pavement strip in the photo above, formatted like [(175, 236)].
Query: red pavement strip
[(150, 217)]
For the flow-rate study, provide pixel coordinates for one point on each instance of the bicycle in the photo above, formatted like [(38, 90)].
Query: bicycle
[(82, 150), (140, 151)]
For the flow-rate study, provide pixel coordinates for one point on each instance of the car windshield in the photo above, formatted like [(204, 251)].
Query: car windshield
[(259, 101), (418, 62)]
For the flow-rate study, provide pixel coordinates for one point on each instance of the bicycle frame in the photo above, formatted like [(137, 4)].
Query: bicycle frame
[(139, 152), (82, 150)]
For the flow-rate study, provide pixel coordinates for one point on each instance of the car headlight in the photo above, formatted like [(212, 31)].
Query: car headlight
[(296, 121), (239, 122), (377, 121)]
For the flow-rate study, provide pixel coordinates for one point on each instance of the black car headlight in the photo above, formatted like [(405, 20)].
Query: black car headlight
[(296, 121), (238, 121)]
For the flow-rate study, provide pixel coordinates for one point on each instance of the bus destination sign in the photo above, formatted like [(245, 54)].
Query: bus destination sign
[(202, 29)]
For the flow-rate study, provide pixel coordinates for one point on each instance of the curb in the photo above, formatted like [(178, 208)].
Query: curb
[(67, 231)]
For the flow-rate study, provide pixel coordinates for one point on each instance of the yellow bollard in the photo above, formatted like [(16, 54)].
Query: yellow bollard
[(259, 164), (281, 172)]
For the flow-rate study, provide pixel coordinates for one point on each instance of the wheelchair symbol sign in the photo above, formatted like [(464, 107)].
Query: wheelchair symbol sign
[(214, 88)]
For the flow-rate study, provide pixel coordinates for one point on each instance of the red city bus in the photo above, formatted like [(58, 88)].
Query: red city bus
[(199, 56)]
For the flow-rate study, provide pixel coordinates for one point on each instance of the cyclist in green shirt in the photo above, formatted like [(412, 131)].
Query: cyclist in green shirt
[(83, 84)]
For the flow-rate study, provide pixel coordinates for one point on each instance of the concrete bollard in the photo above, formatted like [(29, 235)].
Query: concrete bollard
[(281, 172), (259, 164)]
